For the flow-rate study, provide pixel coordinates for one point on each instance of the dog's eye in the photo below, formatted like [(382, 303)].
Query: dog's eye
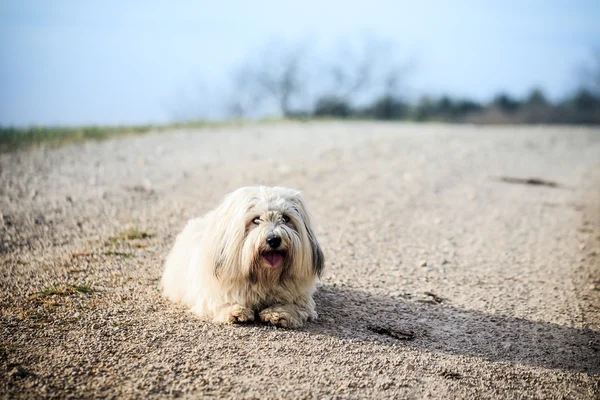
[(256, 220), (285, 219)]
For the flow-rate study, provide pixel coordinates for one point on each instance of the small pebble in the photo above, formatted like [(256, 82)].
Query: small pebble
[(18, 372)]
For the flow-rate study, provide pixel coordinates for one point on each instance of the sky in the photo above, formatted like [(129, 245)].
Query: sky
[(66, 62)]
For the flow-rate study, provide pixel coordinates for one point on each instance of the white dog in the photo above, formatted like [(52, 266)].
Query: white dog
[(256, 253)]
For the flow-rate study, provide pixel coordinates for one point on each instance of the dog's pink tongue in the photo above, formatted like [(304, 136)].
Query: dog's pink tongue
[(273, 258)]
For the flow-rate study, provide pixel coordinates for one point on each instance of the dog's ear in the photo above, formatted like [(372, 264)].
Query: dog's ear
[(317, 253), (218, 261), (226, 232), (318, 259), (215, 243)]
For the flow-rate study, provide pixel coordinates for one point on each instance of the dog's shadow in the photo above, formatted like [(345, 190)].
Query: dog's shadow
[(439, 327)]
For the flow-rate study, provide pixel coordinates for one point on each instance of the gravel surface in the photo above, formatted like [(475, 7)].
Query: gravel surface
[(449, 274)]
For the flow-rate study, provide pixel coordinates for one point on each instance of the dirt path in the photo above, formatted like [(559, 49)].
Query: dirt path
[(443, 279)]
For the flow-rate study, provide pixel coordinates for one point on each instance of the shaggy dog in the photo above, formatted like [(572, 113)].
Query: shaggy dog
[(256, 253)]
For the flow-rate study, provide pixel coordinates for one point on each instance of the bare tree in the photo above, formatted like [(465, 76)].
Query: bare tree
[(277, 75), (374, 71), (349, 76), (279, 78), (245, 98), (591, 73)]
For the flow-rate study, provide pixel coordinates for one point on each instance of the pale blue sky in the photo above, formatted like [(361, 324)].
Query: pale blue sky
[(112, 62)]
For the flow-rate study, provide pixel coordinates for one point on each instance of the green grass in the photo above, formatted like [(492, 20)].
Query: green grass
[(132, 234), (65, 290), (23, 138), (129, 234), (18, 138), (118, 253)]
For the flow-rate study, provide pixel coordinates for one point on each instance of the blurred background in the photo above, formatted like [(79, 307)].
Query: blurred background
[(72, 63)]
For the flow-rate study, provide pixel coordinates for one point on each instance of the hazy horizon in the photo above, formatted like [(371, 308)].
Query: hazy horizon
[(69, 63)]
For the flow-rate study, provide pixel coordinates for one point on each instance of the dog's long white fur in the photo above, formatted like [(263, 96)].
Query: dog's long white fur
[(215, 267)]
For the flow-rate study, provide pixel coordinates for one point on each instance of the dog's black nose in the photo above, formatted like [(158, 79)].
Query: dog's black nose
[(274, 241)]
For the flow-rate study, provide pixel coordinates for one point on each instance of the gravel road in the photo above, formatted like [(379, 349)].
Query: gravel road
[(443, 278)]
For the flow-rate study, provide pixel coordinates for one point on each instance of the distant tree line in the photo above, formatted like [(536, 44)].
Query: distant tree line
[(368, 86), (581, 108)]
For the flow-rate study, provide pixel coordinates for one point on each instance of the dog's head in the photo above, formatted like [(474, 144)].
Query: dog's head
[(260, 232)]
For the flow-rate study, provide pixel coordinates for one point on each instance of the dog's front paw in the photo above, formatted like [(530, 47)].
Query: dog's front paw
[(242, 314), (235, 314), (282, 317)]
